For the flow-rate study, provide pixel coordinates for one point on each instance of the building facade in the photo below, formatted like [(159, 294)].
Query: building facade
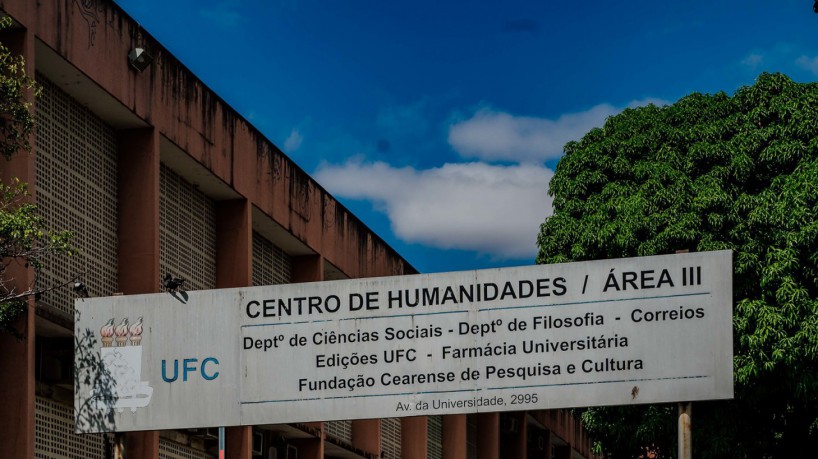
[(155, 174)]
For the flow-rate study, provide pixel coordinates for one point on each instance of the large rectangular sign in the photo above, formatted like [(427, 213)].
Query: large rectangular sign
[(609, 332)]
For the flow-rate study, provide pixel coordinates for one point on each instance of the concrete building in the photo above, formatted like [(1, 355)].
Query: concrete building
[(156, 174)]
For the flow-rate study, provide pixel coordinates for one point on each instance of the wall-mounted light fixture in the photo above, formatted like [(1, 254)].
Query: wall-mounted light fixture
[(140, 59), (172, 284), (80, 289)]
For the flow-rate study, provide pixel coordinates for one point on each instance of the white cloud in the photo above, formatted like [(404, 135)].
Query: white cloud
[(492, 135), (648, 101), (490, 209), (476, 206), (753, 60), (293, 141), (809, 63)]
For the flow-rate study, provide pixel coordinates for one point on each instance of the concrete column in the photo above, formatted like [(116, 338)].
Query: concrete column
[(138, 203), (234, 268), (310, 268), (142, 445), (514, 442), (238, 442), (488, 436), (310, 448), (414, 443), (234, 244), (366, 435), (17, 381), (17, 356), (138, 233), (454, 436)]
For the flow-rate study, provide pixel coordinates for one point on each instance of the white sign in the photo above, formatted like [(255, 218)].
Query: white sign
[(610, 332)]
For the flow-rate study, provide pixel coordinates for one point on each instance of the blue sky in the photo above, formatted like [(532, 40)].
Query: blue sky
[(440, 123)]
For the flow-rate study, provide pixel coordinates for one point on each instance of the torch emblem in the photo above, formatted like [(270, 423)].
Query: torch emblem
[(124, 363)]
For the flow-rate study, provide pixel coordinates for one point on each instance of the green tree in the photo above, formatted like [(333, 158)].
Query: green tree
[(712, 172), (24, 240)]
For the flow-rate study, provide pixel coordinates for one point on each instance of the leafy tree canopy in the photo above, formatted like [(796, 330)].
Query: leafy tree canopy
[(23, 238), (712, 172)]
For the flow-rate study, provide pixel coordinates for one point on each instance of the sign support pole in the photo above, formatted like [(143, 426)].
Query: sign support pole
[(685, 431), (221, 442)]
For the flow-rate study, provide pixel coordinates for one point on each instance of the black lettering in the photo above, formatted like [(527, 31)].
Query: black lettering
[(250, 314)]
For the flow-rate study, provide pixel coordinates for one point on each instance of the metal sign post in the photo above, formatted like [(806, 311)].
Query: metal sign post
[(685, 431), (221, 442)]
